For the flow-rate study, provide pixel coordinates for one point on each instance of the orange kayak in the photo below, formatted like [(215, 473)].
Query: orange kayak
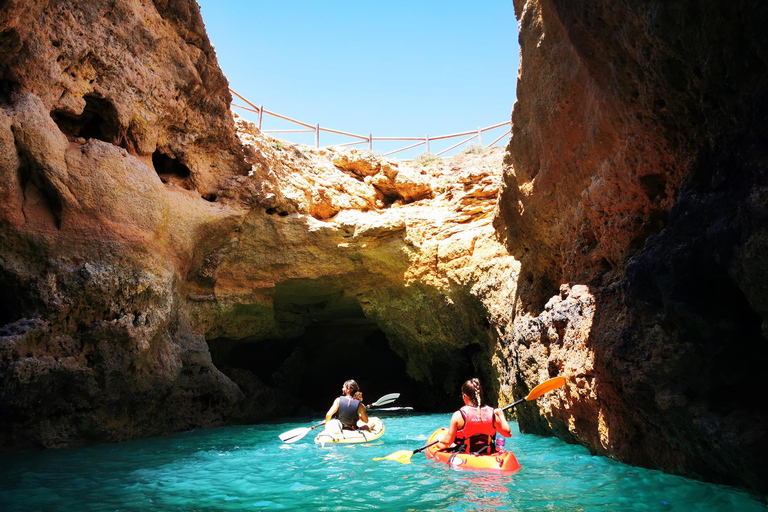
[(499, 462)]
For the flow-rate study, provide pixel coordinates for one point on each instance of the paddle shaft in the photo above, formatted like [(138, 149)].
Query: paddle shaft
[(513, 405), (417, 450), (544, 387)]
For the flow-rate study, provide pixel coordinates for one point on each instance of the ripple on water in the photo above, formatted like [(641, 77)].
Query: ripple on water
[(248, 468)]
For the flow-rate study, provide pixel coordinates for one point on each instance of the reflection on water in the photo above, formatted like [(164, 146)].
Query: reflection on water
[(248, 468)]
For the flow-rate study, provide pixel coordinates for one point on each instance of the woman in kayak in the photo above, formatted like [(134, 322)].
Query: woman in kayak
[(474, 426), (347, 408)]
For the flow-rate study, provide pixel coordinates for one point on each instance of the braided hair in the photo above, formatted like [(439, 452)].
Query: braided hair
[(474, 391)]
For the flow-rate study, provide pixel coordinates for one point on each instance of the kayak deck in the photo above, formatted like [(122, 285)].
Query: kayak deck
[(498, 462), (333, 433)]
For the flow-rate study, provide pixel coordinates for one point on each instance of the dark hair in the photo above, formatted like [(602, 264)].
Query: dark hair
[(473, 390), (352, 386)]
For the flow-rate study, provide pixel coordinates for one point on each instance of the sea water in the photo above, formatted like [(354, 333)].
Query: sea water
[(249, 468)]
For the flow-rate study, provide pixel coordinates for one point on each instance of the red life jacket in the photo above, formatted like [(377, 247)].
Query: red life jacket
[(479, 427)]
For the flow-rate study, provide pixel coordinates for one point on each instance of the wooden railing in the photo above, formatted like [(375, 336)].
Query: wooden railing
[(316, 129)]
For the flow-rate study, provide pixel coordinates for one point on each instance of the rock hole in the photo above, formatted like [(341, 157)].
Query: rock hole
[(271, 211), (209, 197), (654, 186), (99, 120), (7, 89), (170, 170)]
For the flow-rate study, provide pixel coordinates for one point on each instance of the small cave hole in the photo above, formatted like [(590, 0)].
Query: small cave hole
[(7, 89), (170, 170), (209, 197), (282, 214), (654, 186), (271, 211), (99, 120)]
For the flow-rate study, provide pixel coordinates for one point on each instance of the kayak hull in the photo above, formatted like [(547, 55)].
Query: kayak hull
[(499, 462), (333, 434)]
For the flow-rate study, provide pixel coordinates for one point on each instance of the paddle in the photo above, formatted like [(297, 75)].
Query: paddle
[(544, 387), (298, 433), (404, 456), (385, 400)]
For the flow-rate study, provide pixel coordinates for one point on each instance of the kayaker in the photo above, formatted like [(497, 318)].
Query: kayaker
[(347, 408), (474, 426)]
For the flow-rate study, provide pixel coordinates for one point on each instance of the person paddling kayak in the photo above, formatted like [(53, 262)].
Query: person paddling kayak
[(347, 408), (474, 426)]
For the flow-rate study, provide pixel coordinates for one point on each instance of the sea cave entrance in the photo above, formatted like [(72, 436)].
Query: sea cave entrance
[(331, 340)]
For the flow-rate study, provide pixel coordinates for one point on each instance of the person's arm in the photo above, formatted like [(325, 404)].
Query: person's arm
[(362, 413), (333, 410), (456, 422), (501, 424)]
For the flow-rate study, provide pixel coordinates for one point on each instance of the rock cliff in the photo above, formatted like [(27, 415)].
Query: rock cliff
[(635, 201), (163, 269)]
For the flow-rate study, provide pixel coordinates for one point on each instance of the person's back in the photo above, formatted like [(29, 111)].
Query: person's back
[(479, 428), (348, 412), (474, 426)]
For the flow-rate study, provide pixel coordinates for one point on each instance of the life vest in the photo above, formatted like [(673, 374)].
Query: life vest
[(348, 412), (478, 431)]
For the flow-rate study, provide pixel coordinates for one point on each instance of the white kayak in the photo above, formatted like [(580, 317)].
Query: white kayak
[(333, 433)]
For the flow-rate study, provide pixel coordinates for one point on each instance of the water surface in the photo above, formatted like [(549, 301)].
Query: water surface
[(248, 468)]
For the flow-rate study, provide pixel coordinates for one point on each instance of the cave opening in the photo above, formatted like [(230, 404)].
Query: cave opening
[(311, 368), (171, 170), (329, 339), (99, 120)]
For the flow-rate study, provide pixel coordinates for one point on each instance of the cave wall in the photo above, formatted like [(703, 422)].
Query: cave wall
[(147, 244), (636, 177), (95, 343)]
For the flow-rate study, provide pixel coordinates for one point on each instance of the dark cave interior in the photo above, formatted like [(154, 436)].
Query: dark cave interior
[(334, 342), (313, 367)]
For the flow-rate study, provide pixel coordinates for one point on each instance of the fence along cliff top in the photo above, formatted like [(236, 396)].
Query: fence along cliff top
[(316, 129)]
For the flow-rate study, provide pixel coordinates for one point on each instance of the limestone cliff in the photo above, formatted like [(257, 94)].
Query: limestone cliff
[(159, 273), (635, 200)]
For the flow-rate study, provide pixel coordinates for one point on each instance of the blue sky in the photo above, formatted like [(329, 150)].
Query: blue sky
[(391, 68)]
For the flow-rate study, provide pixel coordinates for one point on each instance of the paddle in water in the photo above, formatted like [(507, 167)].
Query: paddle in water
[(404, 456), (298, 433)]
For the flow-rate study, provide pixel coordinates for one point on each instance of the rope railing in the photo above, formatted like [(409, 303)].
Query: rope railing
[(316, 129)]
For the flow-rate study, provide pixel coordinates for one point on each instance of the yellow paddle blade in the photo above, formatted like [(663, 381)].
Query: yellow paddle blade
[(402, 456), (545, 387)]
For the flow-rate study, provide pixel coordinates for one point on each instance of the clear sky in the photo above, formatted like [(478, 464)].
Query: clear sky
[(392, 68)]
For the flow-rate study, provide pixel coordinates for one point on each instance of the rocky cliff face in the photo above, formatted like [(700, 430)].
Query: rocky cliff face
[(635, 201), (162, 270)]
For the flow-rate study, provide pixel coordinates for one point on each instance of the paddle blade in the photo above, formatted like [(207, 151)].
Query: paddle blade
[(386, 399), (545, 387), (402, 456), (379, 403), (294, 435)]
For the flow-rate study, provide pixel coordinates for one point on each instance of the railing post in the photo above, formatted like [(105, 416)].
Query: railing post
[(426, 138), (261, 114), (370, 142), (317, 135), (479, 137)]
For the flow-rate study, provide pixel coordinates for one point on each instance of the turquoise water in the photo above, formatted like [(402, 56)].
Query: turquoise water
[(248, 468)]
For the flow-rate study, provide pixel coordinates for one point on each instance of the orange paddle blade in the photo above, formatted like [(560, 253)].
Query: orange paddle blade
[(545, 387)]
